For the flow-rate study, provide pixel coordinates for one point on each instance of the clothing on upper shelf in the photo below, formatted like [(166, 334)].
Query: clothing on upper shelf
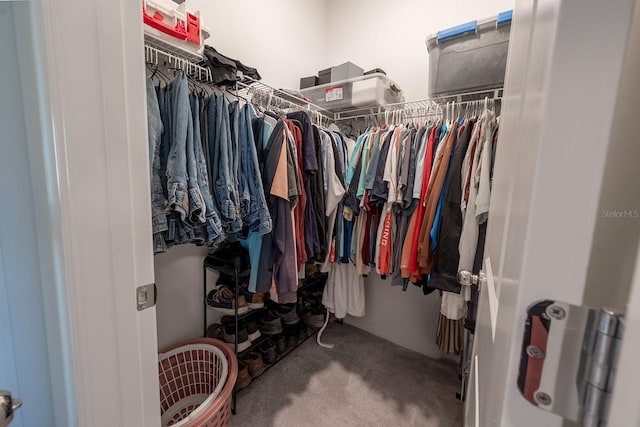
[(224, 70)]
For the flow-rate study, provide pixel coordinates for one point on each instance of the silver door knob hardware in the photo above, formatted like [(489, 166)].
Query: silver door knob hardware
[(467, 278), (8, 406)]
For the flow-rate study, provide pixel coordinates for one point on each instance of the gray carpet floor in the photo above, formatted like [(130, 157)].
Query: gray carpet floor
[(363, 381)]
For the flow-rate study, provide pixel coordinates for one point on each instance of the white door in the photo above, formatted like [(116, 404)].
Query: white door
[(564, 212), (75, 225), (26, 360)]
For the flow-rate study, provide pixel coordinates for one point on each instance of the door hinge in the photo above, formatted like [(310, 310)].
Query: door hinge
[(146, 296), (600, 357), (569, 358)]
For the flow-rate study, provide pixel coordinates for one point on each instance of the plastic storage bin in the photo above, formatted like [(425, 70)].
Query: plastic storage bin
[(469, 57), (372, 90)]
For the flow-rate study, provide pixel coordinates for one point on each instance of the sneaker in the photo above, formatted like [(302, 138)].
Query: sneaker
[(254, 362), (271, 324), (268, 352), (252, 330), (229, 330), (287, 313), (222, 299), (216, 331), (314, 317), (254, 300), (244, 378), (279, 342)]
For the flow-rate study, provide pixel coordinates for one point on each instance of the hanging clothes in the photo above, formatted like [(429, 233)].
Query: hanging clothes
[(225, 170), (406, 209), (450, 227)]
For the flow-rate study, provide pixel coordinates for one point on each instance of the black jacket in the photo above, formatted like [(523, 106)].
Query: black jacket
[(448, 256)]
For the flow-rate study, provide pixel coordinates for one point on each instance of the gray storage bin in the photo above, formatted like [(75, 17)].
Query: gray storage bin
[(308, 82), (372, 90), (469, 57), (324, 76), (345, 71)]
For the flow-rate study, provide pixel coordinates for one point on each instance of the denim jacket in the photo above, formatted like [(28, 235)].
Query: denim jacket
[(220, 146), (240, 179), (215, 234), (256, 212), (159, 204)]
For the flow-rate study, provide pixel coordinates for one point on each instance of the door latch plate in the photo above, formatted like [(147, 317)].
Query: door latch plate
[(146, 296)]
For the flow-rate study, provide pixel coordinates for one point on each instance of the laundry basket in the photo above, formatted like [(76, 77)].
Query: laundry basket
[(196, 383)]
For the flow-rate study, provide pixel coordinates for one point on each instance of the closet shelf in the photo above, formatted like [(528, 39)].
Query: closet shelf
[(257, 91)]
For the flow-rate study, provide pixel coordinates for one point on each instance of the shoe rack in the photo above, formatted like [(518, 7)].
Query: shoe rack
[(237, 267)]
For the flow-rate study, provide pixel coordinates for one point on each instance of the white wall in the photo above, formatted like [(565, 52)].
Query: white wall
[(283, 39), (391, 36)]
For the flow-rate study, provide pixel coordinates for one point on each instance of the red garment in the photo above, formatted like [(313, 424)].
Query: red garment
[(414, 268), (298, 211), (385, 245)]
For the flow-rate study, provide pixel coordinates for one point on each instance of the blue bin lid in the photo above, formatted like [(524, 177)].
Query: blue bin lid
[(471, 27)]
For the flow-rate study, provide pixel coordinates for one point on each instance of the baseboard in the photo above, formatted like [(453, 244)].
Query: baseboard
[(398, 337)]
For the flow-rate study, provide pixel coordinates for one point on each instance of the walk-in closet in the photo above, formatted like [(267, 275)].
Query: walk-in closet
[(319, 213)]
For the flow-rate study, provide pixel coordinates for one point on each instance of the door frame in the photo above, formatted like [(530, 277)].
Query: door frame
[(90, 159)]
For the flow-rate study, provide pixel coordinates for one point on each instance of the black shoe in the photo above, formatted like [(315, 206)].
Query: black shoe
[(268, 352), (288, 313), (215, 330), (252, 330), (270, 324), (314, 316), (291, 336), (279, 342), (229, 329)]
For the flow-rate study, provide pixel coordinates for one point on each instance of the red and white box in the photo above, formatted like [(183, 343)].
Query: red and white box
[(174, 24)]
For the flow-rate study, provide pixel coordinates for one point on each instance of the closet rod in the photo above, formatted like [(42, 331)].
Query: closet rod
[(422, 104), (281, 97), (413, 107)]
